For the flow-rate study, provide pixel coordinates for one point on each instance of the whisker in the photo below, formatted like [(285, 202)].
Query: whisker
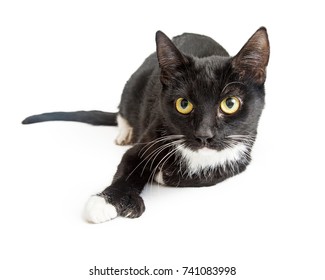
[(158, 140), (156, 152), (231, 83), (166, 146), (246, 139), (153, 153), (163, 161)]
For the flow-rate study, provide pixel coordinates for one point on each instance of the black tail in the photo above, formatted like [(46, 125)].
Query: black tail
[(90, 117)]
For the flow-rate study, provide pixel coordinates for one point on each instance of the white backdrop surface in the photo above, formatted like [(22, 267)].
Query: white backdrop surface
[(267, 222)]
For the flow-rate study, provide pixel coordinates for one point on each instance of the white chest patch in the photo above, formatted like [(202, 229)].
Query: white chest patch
[(207, 159)]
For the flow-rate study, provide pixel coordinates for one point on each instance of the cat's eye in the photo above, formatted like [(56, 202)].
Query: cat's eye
[(184, 106), (230, 105)]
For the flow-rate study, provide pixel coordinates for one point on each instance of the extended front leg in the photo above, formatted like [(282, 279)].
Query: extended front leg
[(122, 197)]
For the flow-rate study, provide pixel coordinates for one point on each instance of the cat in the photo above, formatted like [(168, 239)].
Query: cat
[(190, 112)]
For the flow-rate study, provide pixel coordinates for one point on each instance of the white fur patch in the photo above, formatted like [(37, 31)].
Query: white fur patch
[(159, 178), (125, 131), (98, 210), (207, 159)]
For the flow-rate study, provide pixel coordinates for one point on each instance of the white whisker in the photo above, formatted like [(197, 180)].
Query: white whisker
[(163, 161), (155, 151), (158, 140)]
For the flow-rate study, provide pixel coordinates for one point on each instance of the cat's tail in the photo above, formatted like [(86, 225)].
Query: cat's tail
[(90, 117)]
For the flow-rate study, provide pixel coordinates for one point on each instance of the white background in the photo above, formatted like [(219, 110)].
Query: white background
[(71, 55)]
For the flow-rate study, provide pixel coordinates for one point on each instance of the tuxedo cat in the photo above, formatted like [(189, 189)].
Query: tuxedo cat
[(190, 112)]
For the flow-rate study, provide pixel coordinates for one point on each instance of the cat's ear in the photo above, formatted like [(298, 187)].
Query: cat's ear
[(252, 59), (171, 60)]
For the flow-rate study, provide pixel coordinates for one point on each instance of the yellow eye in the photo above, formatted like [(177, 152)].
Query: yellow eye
[(184, 106), (230, 105)]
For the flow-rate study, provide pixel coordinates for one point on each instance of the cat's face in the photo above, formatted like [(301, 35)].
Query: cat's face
[(214, 102)]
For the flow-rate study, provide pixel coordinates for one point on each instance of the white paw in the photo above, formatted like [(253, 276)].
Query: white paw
[(98, 210)]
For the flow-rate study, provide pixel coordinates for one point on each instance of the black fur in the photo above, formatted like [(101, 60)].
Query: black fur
[(90, 117), (198, 69)]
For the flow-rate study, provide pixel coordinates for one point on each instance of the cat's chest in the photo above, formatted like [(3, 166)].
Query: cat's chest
[(203, 167)]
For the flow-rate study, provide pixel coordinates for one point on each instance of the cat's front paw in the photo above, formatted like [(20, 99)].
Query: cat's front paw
[(98, 210)]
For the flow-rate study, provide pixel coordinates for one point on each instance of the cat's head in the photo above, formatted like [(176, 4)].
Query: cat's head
[(216, 101)]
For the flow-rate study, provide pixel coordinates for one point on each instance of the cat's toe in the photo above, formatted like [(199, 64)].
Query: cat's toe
[(135, 207), (98, 210)]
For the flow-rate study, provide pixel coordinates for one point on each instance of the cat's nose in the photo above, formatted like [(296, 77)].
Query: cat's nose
[(204, 136), (204, 140)]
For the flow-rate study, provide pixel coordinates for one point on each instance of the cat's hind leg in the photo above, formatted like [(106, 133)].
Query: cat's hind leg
[(125, 131)]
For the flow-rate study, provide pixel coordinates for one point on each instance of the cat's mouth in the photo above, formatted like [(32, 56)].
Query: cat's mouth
[(219, 144), (205, 146)]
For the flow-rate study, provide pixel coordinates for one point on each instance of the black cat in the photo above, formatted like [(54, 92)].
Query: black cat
[(191, 113)]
